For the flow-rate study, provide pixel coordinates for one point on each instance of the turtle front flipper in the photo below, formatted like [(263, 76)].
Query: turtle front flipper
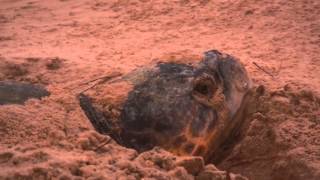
[(97, 119)]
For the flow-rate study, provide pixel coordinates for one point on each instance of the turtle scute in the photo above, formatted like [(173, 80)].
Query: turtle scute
[(186, 109)]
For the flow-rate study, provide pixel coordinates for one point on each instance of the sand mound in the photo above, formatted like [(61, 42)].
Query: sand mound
[(282, 139), (98, 157)]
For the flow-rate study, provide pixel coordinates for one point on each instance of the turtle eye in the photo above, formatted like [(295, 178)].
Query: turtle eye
[(204, 86)]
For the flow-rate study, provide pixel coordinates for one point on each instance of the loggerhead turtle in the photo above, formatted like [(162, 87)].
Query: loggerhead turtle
[(185, 109)]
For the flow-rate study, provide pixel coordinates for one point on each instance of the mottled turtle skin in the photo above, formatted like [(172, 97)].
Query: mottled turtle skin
[(185, 109)]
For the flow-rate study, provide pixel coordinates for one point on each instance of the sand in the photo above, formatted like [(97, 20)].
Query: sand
[(62, 43)]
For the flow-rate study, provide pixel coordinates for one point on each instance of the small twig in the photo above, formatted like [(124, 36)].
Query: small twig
[(252, 160), (100, 81), (262, 69), (279, 68), (103, 143), (102, 78), (96, 84), (90, 81), (65, 128)]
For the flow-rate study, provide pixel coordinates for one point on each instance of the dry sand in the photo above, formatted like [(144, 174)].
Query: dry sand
[(63, 43)]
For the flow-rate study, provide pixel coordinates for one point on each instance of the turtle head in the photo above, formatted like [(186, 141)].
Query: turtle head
[(221, 83), (227, 72)]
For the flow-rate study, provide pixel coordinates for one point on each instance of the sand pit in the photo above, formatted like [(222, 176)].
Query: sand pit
[(60, 44)]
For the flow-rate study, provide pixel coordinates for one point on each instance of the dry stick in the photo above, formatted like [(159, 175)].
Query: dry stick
[(102, 144), (102, 80), (279, 68), (96, 84), (263, 70), (252, 160)]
